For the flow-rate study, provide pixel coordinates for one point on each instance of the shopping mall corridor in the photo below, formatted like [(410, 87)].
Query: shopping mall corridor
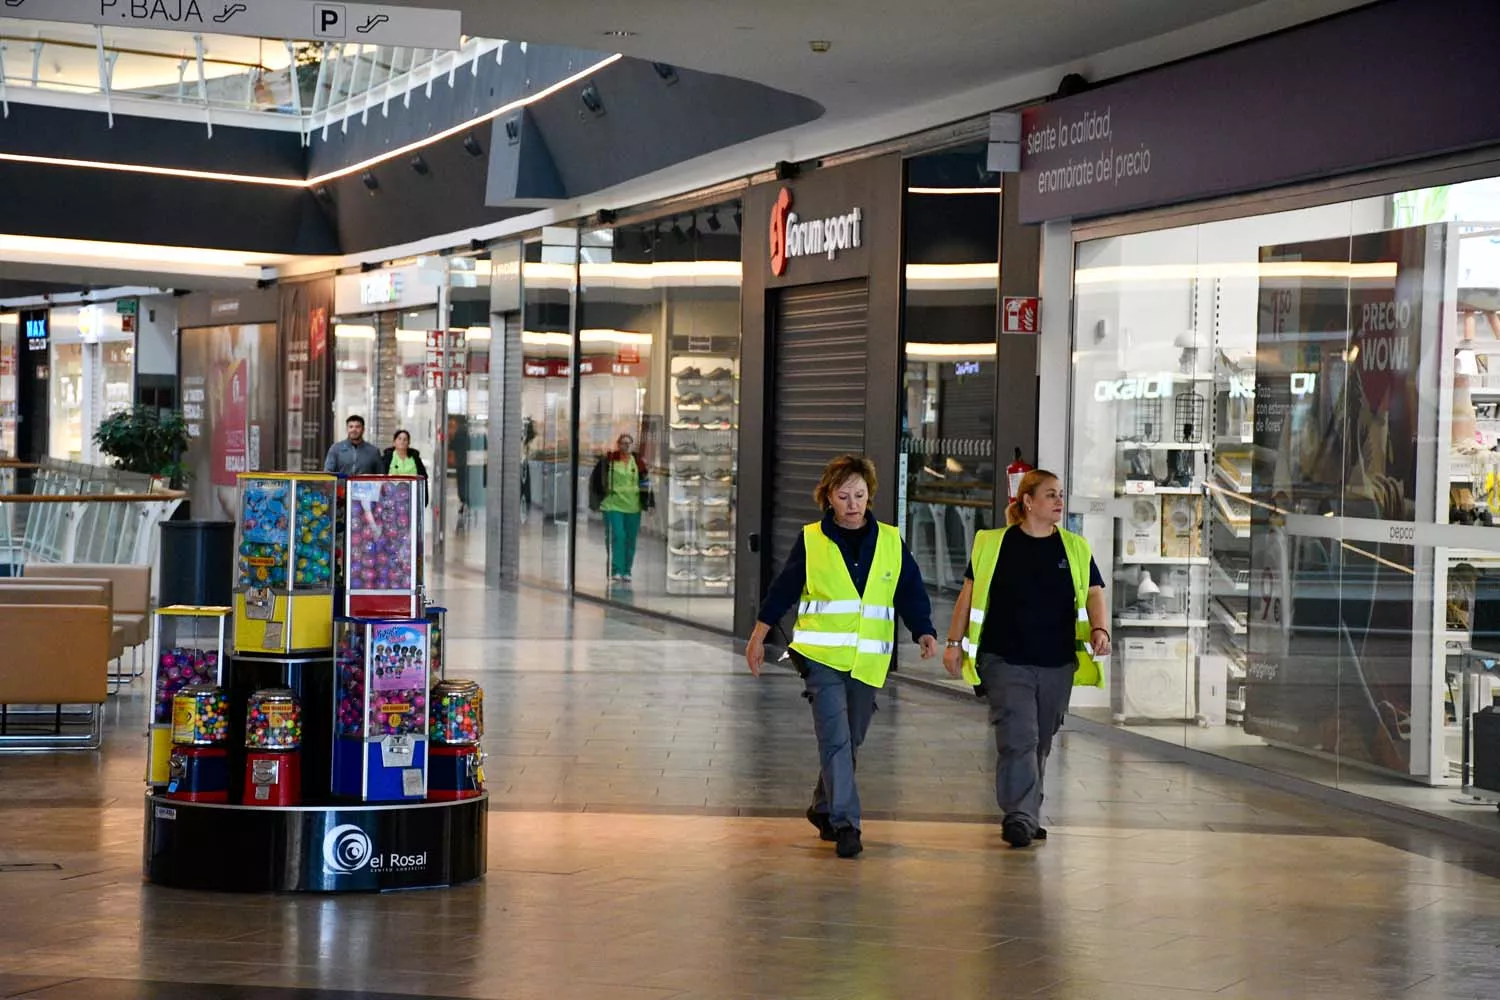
[(647, 841)]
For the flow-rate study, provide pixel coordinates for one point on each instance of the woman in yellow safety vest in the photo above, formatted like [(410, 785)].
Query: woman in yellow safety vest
[(1028, 623), (850, 577)]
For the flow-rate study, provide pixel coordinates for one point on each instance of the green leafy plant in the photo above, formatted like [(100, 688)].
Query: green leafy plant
[(145, 439)]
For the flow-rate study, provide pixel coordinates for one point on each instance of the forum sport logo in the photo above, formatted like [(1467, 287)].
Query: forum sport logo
[(348, 849), (791, 236)]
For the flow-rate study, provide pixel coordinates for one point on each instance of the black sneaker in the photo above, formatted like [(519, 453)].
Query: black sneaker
[(848, 841), (1041, 833), (1014, 833), (823, 823)]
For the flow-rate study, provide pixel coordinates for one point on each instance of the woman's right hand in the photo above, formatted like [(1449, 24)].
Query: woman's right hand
[(953, 661), (755, 654)]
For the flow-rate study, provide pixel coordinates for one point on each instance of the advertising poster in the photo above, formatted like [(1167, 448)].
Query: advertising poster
[(229, 380), (305, 310), (1339, 338)]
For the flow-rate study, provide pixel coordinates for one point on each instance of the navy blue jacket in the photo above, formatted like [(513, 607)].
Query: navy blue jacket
[(858, 548)]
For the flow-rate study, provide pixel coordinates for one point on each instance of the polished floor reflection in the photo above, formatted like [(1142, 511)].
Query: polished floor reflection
[(646, 841)]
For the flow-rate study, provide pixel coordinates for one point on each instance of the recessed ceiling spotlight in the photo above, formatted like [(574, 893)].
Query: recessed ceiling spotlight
[(819, 45), (619, 33)]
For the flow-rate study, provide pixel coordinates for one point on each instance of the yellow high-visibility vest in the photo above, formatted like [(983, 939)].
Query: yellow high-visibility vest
[(836, 624), (986, 554)]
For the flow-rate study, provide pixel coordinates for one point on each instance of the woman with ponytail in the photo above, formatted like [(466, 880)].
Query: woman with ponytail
[(1027, 625)]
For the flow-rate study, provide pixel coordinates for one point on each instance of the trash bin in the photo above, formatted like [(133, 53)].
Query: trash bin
[(197, 563)]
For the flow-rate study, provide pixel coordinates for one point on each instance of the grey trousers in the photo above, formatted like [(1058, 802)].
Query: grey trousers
[(842, 709), (1027, 705)]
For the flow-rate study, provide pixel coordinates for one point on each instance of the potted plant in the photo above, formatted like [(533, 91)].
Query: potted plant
[(145, 439)]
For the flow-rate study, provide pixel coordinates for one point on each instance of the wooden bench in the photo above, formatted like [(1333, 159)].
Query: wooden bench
[(55, 655)]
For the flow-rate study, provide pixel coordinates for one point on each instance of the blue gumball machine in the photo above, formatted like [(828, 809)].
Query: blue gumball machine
[(382, 683), (285, 563)]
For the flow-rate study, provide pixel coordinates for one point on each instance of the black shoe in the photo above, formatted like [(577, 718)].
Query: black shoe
[(823, 823), (848, 842), (1041, 833), (1014, 834)]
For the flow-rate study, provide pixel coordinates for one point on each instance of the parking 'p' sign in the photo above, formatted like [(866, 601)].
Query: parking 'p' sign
[(330, 20)]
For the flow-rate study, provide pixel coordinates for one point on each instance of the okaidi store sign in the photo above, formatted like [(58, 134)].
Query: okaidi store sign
[(1299, 105), (792, 236)]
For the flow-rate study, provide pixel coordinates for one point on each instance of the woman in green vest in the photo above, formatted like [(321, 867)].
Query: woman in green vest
[(401, 459), (620, 488), (849, 577), (1027, 626)]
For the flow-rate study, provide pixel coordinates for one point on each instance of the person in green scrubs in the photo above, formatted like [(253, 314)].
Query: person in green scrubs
[(401, 459), (620, 489)]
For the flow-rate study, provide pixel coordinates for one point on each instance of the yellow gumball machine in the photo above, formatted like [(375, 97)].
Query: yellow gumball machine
[(284, 562), (191, 643)]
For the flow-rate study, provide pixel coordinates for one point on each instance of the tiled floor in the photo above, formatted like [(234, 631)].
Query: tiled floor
[(646, 841)]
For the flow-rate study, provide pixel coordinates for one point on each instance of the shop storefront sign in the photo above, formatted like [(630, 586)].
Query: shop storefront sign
[(1298, 105), (380, 288), (793, 236), (370, 24), (36, 332)]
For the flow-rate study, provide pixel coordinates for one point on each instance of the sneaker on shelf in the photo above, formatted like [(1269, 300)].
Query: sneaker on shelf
[(684, 501), (687, 476), (717, 579), (682, 576), (717, 551), (688, 549), (847, 838), (720, 373), (690, 372), (717, 425), (685, 450), (690, 399), (686, 425), (722, 475), (720, 398), (716, 501), (719, 451), (717, 526), (681, 527)]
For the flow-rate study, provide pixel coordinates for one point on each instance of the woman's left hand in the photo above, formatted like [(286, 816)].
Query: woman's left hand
[(929, 646), (1099, 641)]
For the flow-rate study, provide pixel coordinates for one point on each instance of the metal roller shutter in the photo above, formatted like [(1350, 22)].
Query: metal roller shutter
[(818, 398)]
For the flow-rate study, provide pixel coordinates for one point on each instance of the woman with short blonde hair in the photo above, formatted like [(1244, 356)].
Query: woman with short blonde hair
[(850, 577)]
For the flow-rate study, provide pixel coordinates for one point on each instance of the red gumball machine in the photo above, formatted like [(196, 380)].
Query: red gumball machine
[(198, 770), (456, 766), (273, 745), (383, 547)]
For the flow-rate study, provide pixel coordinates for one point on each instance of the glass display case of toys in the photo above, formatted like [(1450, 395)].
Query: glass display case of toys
[(191, 643), (383, 546), (198, 770), (284, 565), (457, 767), (382, 680), (273, 748)]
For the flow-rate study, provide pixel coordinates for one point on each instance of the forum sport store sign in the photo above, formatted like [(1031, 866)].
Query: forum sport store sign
[(792, 236)]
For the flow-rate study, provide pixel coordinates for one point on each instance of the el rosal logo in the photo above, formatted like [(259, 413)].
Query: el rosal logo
[(347, 849)]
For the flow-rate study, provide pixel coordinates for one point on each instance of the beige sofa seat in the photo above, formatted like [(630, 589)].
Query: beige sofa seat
[(132, 591)]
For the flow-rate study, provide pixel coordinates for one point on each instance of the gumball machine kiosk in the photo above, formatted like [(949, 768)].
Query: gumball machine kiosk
[(383, 547), (437, 621), (284, 567), (273, 744), (198, 770), (382, 681), (457, 770), (190, 648)]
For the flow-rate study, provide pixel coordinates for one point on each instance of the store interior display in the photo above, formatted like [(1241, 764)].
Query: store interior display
[(286, 562), (700, 525), (191, 643)]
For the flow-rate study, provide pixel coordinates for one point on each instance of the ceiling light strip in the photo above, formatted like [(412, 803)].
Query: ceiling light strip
[(332, 175)]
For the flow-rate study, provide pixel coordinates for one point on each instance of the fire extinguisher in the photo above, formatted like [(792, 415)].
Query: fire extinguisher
[(1013, 473)]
